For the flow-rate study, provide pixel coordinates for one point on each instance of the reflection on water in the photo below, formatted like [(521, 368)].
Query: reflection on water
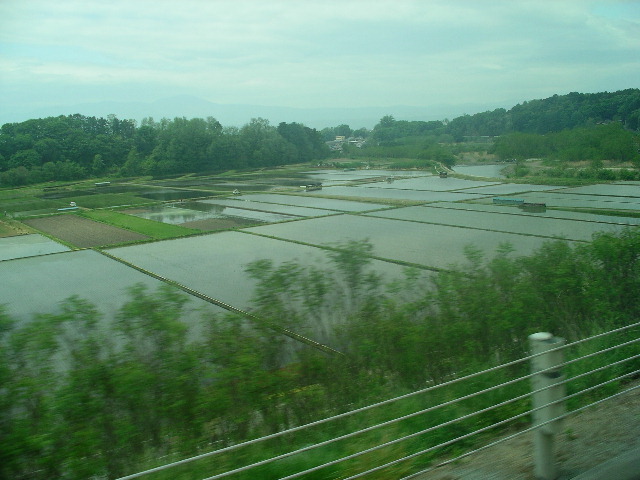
[(182, 212)]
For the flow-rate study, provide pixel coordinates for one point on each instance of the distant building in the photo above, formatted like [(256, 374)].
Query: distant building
[(342, 140)]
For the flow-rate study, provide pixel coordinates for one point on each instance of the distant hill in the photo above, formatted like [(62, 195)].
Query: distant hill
[(554, 114), (535, 116), (238, 115)]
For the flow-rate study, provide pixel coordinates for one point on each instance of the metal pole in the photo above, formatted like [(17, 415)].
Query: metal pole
[(550, 382)]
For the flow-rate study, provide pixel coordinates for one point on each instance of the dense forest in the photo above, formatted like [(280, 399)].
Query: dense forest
[(76, 146), (593, 144), (90, 397), (553, 114), (560, 129)]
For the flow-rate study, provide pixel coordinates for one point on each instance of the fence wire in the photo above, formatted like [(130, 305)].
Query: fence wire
[(489, 427), (422, 412), (427, 410), (521, 432)]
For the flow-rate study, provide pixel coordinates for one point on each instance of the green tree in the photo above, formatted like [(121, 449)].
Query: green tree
[(134, 164), (307, 142), (343, 130), (25, 158), (31, 355), (157, 379)]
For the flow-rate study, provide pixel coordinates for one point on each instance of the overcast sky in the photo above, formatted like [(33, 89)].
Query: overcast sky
[(314, 53)]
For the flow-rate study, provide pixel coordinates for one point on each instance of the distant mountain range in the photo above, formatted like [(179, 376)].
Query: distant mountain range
[(238, 115)]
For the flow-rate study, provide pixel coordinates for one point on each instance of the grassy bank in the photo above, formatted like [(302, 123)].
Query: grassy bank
[(155, 230)]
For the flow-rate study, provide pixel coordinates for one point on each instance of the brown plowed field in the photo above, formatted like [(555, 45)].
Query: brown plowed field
[(83, 232)]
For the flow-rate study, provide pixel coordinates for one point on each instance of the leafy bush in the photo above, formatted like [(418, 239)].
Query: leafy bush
[(84, 396)]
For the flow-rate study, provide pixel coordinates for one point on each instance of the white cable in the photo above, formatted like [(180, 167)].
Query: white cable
[(421, 412)]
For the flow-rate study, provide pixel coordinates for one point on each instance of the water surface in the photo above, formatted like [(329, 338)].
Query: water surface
[(20, 246), (180, 213)]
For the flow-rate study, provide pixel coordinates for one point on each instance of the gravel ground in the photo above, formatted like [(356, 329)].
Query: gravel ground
[(590, 438)]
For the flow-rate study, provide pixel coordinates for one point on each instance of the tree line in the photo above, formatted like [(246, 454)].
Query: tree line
[(595, 144), (76, 147), (83, 396), (573, 127), (553, 114)]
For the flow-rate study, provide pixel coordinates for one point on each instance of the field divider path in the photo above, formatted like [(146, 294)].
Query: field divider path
[(226, 306), (374, 200), (333, 210), (519, 213), (402, 263), (551, 237)]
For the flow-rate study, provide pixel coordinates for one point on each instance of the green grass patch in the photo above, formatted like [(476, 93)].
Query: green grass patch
[(29, 199), (155, 230), (30, 204), (26, 199), (23, 192), (104, 200)]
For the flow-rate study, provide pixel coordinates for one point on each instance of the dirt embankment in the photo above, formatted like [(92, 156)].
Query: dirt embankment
[(11, 228)]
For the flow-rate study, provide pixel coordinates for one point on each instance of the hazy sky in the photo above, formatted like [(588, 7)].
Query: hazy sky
[(313, 53)]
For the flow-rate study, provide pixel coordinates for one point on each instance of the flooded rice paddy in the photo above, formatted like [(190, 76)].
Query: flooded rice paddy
[(428, 245), (618, 189), (314, 201), (85, 273), (215, 264), (539, 226), (558, 198), (551, 213), (393, 194), (342, 177), (291, 210), (449, 215), (27, 246), (429, 184), (509, 189)]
